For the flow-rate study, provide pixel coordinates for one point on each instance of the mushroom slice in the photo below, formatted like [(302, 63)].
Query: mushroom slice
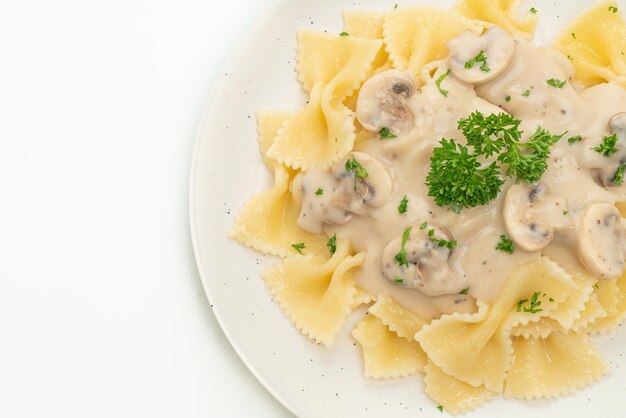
[(476, 59), (601, 241), (425, 263), (615, 169), (382, 102), (363, 181), (531, 215)]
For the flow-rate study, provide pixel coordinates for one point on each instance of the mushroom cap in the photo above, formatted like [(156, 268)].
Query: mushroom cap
[(601, 241), (355, 194), (531, 215), (497, 46), (429, 269), (382, 102)]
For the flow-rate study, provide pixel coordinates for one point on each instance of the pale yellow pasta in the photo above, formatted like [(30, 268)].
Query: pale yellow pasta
[(331, 68), (316, 293), (596, 44), (612, 297), (399, 320), (455, 396), (476, 348), (417, 36), (504, 13), (555, 366), (268, 125), (267, 222), (565, 316), (385, 355)]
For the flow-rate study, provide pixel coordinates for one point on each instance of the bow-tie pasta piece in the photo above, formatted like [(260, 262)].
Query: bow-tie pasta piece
[(417, 36), (268, 125), (316, 293), (596, 43), (385, 355), (455, 396), (566, 316), (555, 366), (476, 348), (612, 296), (503, 13), (331, 68), (399, 320)]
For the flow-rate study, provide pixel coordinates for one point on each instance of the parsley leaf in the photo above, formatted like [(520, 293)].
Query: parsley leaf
[(332, 244), (398, 279), (298, 247), (574, 35), (424, 225), (479, 58), (613, 9), (527, 160), (507, 99), (402, 208), (526, 93), (533, 10), (353, 166), (505, 245), (319, 192), (574, 139), (488, 135), (464, 291), (385, 133), (607, 147), (440, 408), (534, 304), (557, 84), (618, 178), (441, 242), (456, 178), (400, 258), (438, 83), (344, 34)]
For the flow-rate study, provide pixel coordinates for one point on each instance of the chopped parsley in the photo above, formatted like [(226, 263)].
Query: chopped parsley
[(344, 34), (551, 300), (526, 93), (533, 10), (557, 84), (298, 247), (353, 166), (424, 225), (507, 99), (464, 291), (569, 57), (607, 147), (438, 83), (440, 408), (565, 212), (534, 304), (398, 279), (479, 58), (441, 242), (400, 258), (396, 6), (505, 245), (332, 244), (319, 192), (618, 179), (613, 9), (574, 139), (574, 35), (385, 133), (402, 208), (458, 178)]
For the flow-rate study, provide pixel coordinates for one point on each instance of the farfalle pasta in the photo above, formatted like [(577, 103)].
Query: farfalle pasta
[(463, 184)]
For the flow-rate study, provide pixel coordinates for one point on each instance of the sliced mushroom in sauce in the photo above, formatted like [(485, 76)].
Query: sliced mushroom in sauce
[(382, 102), (428, 267), (477, 59), (602, 241), (531, 215)]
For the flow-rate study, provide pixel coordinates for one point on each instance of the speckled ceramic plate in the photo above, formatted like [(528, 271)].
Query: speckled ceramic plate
[(311, 380)]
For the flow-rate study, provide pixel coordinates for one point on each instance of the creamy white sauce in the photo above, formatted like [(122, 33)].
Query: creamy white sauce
[(570, 177)]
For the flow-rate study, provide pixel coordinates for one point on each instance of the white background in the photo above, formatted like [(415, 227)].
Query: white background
[(101, 309)]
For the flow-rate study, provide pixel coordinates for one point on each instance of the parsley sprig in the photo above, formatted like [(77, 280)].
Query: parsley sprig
[(505, 245), (400, 258), (438, 83), (385, 133), (403, 206), (354, 166), (607, 147), (298, 247), (479, 58), (534, 304), (461, 178), (557, 84), (332, 244)]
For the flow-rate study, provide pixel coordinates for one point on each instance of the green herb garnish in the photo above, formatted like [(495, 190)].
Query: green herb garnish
[(613, 9), (574, 139), (464, 291), (534, 304), (565, 212), (505, 245), (440, 408), (400, 258), (385, 133), (344, 34), (527, 160), (507, 99), (618, 179), (332, 244), (398, 279), (574, 35), (526, 93), (533, 10), (402, 208), (607, 147), (353, 166), (557, 84), (298, 247), (319, 192), (479, 58), (423, 225), (438, 83)]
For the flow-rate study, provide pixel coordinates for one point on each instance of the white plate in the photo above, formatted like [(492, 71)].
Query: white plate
[(311, 380)]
